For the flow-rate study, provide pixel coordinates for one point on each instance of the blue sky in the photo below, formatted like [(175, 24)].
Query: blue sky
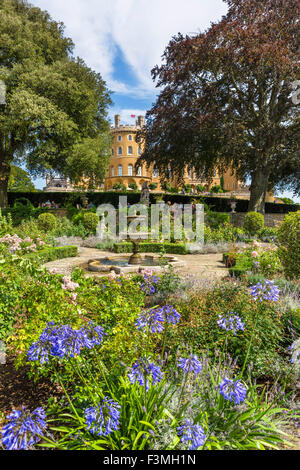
[(124, 39)]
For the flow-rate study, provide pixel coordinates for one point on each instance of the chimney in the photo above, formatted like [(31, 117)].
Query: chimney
[(141, 121), (117, 120)]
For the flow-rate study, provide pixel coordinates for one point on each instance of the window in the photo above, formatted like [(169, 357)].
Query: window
[(120, 170), (120, 151), (139, 171), (112, 152), (130, 170), (155, 173), (130, 137), (130, 150), (139, 151), (119, 138), (112, 171)]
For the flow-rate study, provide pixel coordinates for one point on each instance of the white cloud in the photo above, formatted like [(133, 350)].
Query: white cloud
[(140, 28)]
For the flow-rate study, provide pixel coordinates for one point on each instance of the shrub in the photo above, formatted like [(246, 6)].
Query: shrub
[(90, 221), (47, 221), (133, 186), (289, 244), (172, 248), (152, 186), (253, 223), (5, 224)]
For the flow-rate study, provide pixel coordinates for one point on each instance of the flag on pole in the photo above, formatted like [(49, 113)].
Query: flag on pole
[(132, 115)]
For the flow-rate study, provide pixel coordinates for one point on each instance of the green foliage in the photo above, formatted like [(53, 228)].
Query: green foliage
[(133, 186), (5, 224), (215, 219), (152, 186), (172, 248), (265, 262), (90, 221), (19, 180), (55, 113), (48, 254), (199, 328), (47, 221), (289, 244), (253, 222)]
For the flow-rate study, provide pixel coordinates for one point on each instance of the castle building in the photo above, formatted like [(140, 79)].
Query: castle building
[(124, 153), (121, 171)]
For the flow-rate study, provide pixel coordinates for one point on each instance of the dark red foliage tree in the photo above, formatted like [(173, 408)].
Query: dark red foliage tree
[(227, 98)]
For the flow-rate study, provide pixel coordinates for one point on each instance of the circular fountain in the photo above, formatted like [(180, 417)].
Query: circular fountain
[(136, 262)]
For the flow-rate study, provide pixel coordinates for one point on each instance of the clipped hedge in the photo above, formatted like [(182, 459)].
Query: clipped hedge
[(172, 248), (53, 253), (217, 204)]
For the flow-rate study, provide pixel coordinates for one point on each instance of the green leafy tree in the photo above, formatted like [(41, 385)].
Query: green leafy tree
[(227, 99), (19, 180), (55, 111)]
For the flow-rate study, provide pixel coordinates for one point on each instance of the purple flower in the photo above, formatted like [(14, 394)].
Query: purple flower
[(24, 429), (45, 345), (151, 319), (103, 419), (191, 434), (143, 370), (93, 335), (265, 291), (190, 364), (233, 390), (231, 322), (150, 281), (155, 318)]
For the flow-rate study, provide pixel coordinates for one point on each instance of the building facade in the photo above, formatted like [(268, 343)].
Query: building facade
[(121, 172), (124, 154)]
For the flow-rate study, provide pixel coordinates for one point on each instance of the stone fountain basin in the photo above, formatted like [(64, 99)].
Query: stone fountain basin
[(119, 264)]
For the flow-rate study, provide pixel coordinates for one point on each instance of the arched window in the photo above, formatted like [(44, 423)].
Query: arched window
[(119, 138), (120, 170), (130, 150), (120, 151), (112, 171), (155, 173), (139, 151), (130, 170), (139, 171)]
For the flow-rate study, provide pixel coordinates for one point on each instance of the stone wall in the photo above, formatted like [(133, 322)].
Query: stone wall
[(271, 220)]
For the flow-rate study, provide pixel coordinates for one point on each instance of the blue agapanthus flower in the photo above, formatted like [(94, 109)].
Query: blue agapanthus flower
[(149, 284), (170, 314), (104, 418), (24, 429), (154, 319), (191, 434), (45, 345), (63, 341), (231, 322), (190, 364), (150, 319), (143, 371), (266, 290), (233, 390), (93, 335)]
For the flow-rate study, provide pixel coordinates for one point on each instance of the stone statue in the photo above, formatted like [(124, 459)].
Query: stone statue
[(145, 194)]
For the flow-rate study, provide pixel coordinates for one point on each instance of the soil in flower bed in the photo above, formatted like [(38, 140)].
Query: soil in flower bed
[(17, 390)]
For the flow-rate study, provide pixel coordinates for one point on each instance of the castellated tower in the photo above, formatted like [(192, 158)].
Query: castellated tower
[(124, 153)]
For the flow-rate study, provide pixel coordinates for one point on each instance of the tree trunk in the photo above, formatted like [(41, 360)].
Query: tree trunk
[(258, 190), (4, 176)]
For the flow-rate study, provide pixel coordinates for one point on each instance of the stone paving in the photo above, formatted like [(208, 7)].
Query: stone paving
[(208, 266)]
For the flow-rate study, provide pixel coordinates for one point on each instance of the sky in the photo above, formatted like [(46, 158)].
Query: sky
[(124, 39)]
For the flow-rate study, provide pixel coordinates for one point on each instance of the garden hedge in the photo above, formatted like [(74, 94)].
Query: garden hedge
[(217, 204), (53, 253), (171, 248)]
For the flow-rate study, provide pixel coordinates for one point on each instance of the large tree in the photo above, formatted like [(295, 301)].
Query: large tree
[(55, 116), (19, 180), (226, 98)]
